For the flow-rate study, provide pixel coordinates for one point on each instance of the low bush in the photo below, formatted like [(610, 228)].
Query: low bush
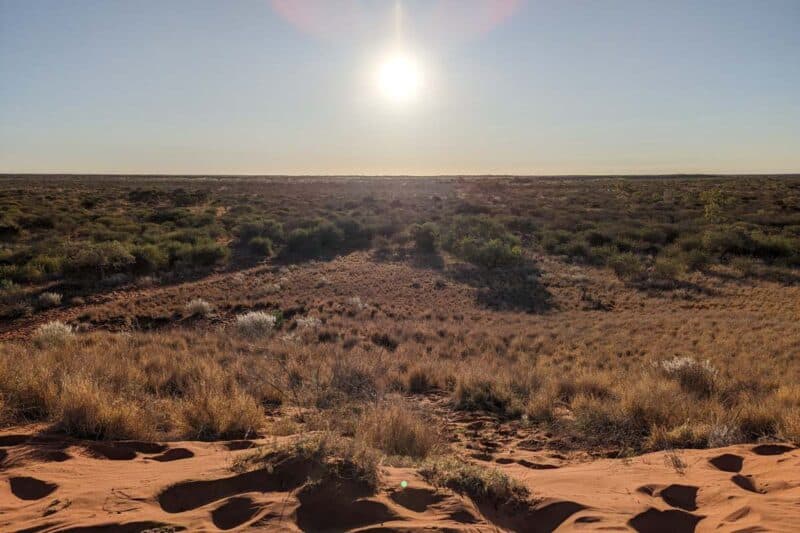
[(424, 236), (483, 394), (483, 241), (266, 228), (353, 379), (627, 266), (696, 377), (204, 253), (395, 430), (324, 455), (49, 299), (668, 268), (149, 259), (479, 483), (51, 334), (313, 242), (420, 380), (260, 245), (198, 307), (98, 260), (85, 410), (220, 414), (255, 324)]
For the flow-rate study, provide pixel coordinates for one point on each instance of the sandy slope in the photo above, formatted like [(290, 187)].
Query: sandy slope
[(54, 484)]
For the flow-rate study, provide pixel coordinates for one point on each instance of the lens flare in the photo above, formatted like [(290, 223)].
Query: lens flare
[(432, 20)]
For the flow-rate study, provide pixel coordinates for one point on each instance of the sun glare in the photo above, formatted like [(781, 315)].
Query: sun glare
[(399, 77)]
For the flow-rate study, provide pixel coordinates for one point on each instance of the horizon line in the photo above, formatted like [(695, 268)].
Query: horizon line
[(401, 175)]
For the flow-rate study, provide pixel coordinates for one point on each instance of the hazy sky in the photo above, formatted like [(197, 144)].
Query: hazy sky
[(289, 86)]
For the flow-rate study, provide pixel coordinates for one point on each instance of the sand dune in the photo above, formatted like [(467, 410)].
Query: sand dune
[(50, 483)]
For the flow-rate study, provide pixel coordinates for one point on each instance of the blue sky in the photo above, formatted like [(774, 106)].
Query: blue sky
[(549, 87)]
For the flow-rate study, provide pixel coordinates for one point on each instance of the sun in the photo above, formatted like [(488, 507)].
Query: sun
[(399, 77)]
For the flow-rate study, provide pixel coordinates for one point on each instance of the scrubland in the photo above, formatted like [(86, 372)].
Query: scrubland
[(437, 325)]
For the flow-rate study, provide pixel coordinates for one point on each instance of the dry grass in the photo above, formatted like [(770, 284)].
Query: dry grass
[(198, 307), (52, 334), (84, 409), (707, 359), (255, 324), (480, 483), (324, 455), (195, 384), (395, 430), (49, 299), (210, 415), (132, 386)]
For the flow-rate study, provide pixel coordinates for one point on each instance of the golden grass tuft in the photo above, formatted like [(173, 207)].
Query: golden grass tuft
[(220, 414), (395, 430), (85, 410), (52, 334)]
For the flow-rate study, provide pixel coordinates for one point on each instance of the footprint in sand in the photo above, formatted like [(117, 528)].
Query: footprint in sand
[(124, 450), (283, 477), (727, 462), (30, 488), (771, 449), (111, 452), (681, 496), (173, 454), (54, 456), (147, 448), (193, 494), (670, 521), (545, 516), (234, 512), (747, 483), (418, 500), (340, 506)]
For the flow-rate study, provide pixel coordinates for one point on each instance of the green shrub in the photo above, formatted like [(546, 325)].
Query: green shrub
[(48, 265), (490, 254), (772, 247), (149, 258), (98, 260), (204, 254), (324, 237), (668, 268), (728, 240), (260, 245), (424, 236), (354, 233), (696, 259), (268, 228), (627, 265), (482, 241)]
